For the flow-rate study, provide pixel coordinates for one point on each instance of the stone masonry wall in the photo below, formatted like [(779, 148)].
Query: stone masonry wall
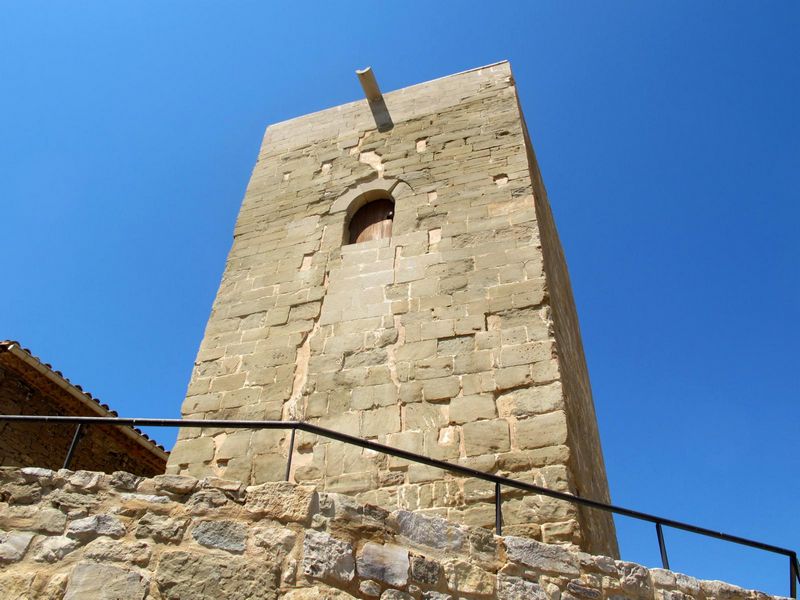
[(81, 535), (443, 340)]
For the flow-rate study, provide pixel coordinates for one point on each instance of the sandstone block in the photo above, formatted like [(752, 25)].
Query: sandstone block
[(467, 578), (440, 389), (104, 582), (424, 416), (380, 421), (104, 549), (351, 483), (175, 484), (269, 467), (512, 377), (466, 409), (33, 518), (535, 400), (276, 540), (182, 575), (541, 431), (282, 501), (195, 450), (524, 354), (486, 437)]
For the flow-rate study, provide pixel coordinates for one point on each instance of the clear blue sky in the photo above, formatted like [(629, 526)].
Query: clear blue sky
[(667, 134)]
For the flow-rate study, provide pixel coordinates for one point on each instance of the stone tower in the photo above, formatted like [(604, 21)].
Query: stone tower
[(396, 275)]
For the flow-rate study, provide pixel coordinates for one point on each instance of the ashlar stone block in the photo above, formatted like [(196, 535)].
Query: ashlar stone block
[(486, 437)]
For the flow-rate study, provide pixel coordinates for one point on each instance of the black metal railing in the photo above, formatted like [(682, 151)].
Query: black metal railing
[(498, 480)]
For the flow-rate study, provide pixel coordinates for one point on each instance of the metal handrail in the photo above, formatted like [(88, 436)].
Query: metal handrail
[(498, 480)]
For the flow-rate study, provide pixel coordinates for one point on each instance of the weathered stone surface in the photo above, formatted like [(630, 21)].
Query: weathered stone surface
[(396, 595), (274, 539), (282, 501), (104, 549), (424, 570), (325, 557), (104, 582), (316, 593), (14, 493), (580, 590), (175, 484), (384, 562), (123, 480), (634, 579), (431, 595), (33, 518), (182, 575), (467, 578), (25, 586), (541, 557), (90, 527), (55, 548), (516, 588), (44, 476), (161, 529), (486, 437), (542, 430), (253, 556), (13, 545), (369, 588), (86, 480), (225, 535), (429, 531), (74, 505)]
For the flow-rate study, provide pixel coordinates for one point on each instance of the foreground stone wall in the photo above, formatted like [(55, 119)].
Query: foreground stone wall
[(446, 339), (69, 535)]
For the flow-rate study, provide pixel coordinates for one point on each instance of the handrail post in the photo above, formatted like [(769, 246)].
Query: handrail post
[(794, 575), (498, 511), (291, 452), (73, 445), (662, 546)]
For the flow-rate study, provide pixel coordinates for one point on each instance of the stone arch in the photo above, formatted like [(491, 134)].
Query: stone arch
[(356, 198)]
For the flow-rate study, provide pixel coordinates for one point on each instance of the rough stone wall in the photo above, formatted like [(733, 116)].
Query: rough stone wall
[(68, 535), (440, 340), (101, 448)]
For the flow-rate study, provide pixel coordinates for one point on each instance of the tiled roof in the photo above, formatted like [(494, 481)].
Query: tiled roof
[(102, 410)]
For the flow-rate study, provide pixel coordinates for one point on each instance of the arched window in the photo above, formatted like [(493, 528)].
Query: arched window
[(372, 221)]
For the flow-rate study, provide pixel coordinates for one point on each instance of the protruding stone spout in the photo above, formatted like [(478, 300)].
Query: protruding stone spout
[(375, 99)]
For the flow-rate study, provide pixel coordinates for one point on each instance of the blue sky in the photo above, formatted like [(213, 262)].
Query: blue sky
[(667, 134)]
